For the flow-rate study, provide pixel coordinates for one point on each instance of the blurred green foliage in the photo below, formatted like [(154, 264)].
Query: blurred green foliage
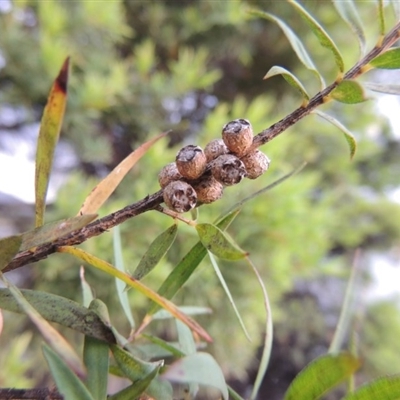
[(139, 68)]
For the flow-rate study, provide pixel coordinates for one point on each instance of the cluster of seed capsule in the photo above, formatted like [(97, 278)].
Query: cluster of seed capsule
[(199, 176)]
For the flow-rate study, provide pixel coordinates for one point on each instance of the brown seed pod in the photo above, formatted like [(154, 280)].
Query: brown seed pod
[(228, 169), (215, 148), (179, 196), (238, 136), (168, 174), (256, 164), (191, 161), (208, 189)]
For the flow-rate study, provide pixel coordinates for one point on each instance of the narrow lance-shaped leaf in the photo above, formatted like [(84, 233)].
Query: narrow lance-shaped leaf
[(49, 133), (155, 252), (185, 268), (228, 294), (349, 92), (391, 88), (107, 186), (381, 18), (200, 368), (396, 8), (52, 337), (58, 309), (267, 348), (322, 36), (290, 79), (322, 375), (387, 388), (96, 359), (9, 247), (54, 230), (348, 12), (351, 141), (109, 269), (68, 384), (390, 59), (140, 372), (294, 41), (119, 263), (219, 243)]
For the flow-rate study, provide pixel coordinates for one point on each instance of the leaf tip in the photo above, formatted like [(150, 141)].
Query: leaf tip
[(62, 78)]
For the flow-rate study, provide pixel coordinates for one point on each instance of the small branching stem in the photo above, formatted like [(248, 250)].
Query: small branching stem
[(153, 202)]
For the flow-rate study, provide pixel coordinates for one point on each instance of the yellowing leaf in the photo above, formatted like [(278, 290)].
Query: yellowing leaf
[(52, 337), (109, 269), (390, 59), (49, 133), (107, 186), (9, 247), (349, 92), (322, 36), (219, 243)]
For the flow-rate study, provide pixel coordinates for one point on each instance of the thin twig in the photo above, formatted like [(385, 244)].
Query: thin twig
[(153, 201)]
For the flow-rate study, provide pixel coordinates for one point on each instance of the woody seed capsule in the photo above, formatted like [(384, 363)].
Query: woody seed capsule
[(238, 136), (191, 161), (215, 148), (179, 196), (168, 174), (228, 169), (208, 189), (256, 164)]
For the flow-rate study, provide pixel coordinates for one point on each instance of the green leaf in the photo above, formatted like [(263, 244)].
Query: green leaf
[(140, 372), (219, 243), (322, 375), (294, 41), (9, 247), (228, 294), (381, 18), (185, 338), (322, 36), (169, 349), (157, 390), (67, 382), (87, 293), (155, 252), (199, 368), (351, 141), (96, 360), (49, 133), (390, 59), (346, 311), (50, 334), (384, 388), (348, 12), (390, 88), (119, 264), (54, 230), (349, 92), (58, 309), (267, 348), (185, 268), (289, 78), (112, 271)]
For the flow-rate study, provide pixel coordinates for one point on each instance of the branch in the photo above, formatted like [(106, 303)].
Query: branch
[(152, 202)]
